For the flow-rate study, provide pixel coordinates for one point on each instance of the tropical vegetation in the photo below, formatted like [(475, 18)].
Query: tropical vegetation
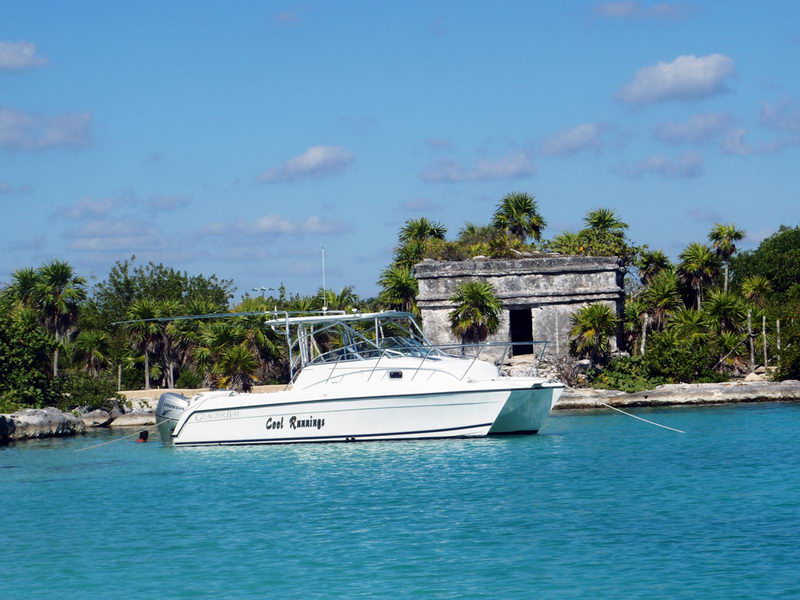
[(715, 312)]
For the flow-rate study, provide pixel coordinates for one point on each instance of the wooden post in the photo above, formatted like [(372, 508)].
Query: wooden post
[(750, 338), (645, 324), (764, 338), (119, 376), (778, 337)]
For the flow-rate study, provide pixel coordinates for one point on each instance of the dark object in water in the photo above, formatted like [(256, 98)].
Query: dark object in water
[(143, 435)]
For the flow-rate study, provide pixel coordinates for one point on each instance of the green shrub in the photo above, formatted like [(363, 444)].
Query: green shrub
[(80, 389), (189, 379), (681, 361), (789, 363), (25, 348), (625, 373)]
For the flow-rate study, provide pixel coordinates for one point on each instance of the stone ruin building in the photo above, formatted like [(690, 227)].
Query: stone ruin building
[(538, 295)]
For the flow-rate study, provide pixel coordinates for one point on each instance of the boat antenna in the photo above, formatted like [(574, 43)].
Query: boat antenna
[(324, 289)]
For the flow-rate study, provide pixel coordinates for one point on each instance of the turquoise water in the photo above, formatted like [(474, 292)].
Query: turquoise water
[(597, 505)]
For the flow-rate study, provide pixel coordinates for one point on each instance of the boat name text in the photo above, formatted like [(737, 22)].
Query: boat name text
[(216, 416), (295, 423)]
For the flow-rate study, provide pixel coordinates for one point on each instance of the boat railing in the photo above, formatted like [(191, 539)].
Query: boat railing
[(499, 352)]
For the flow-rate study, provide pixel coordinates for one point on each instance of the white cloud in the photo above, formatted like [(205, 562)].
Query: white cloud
[(275, 225), (439, 143), (686, 78), (6, 189), (31, 244), (418, 205), (316, 162), (735, 142), (617, 10), (29, 131), (19, 56), (784, 116), (574, 140), (512, 166), (168, 203), (632, 10), (696, 129), (116, 236), (705, 215), (86, 208), (685, 166)]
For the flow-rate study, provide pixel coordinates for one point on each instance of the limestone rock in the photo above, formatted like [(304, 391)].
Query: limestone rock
[(134, 419), (96, 418), (684, 393), (39, 423)]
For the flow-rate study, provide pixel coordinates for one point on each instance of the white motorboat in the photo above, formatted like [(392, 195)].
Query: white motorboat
[(358, 377)]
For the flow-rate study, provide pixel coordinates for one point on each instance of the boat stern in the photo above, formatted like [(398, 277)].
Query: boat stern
[(170, 408), (526, 409)]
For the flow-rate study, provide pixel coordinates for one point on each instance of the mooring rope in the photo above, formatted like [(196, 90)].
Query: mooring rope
[(117, 439), (639, 418)]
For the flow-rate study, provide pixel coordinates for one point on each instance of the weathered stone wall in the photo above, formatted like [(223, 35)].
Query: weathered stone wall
[(553, 287)]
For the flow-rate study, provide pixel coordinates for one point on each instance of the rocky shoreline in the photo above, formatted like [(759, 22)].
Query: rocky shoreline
[(682, 394), (38, 423)]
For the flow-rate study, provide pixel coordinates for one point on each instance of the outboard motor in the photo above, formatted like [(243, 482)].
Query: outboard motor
[(170, 408)]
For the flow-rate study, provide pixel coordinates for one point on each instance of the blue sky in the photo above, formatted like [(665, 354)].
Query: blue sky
[(239, 138)]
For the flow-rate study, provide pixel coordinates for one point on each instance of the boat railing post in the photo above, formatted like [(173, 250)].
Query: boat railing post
[(503, 356), (422, 362), (336, 364), (474, 360), (383, 352)]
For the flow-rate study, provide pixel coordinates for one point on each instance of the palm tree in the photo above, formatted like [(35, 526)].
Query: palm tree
[(236, 368), (91, 348), (689, 324), (756, 289), (650, 263), (698, 266), (168, 345), (410, 253), (662, 296), (731, 346), (22, 288), (57, 293), (476, 234), (422, 229), (726, 311), (592, 326), (518, 214), (604, 220), (400, 289), (567, 243), (635, 312), (346, 299), (723, 238), (144, 331), (477, 312)]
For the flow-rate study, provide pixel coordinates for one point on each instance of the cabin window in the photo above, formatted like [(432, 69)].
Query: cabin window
[(395, 374), (521, 325)]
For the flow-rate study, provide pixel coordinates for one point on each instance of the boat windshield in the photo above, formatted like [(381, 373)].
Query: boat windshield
[(331, 338), (389, 347)]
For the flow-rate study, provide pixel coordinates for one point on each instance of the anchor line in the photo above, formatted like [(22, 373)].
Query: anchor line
[(116, 439), (639, 418)]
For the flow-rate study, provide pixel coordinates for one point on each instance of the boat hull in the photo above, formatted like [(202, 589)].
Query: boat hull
[(295, 417)]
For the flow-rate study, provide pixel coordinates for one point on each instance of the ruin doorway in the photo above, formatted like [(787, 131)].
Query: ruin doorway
[(521, 325)]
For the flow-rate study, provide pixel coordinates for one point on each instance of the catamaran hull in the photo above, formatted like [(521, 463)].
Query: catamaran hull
[(291, 417)]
